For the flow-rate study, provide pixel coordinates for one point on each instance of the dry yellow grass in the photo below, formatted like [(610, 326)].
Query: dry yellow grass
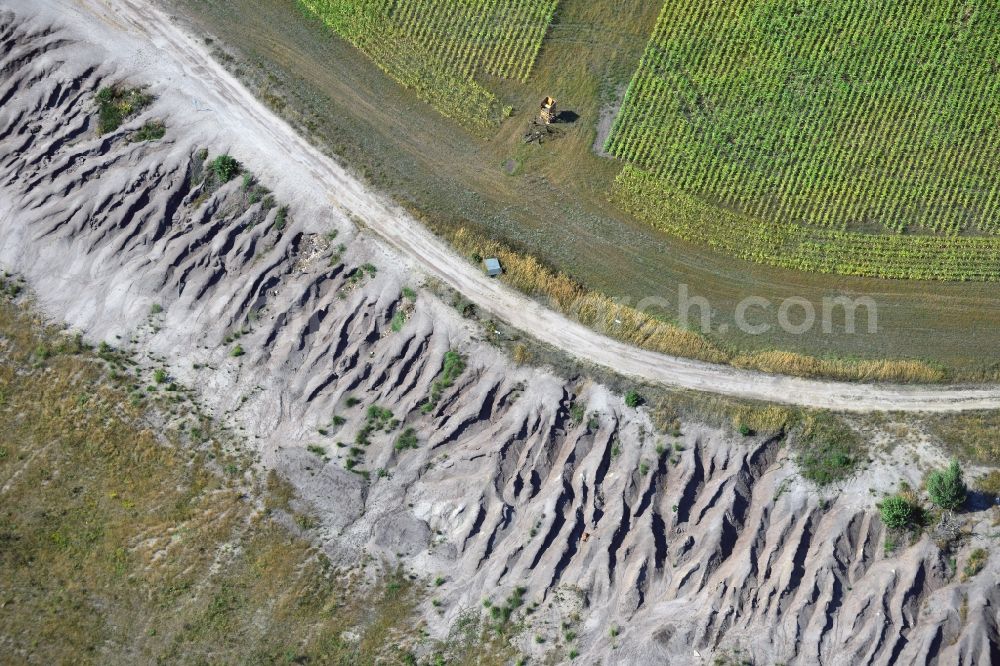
[(770, 419), (561, 292), (790, 363)]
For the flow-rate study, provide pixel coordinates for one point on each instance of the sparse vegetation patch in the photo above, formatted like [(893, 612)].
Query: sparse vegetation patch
[(828, 449), (453, 366), (118, 103)]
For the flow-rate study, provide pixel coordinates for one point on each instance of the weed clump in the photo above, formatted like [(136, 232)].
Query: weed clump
[(407, 440), (633, 399), (975, 564)]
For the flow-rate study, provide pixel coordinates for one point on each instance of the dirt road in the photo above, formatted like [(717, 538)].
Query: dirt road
[(170, 56)]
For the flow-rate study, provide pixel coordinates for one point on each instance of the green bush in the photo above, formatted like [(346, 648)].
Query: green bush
[(897, 512), (453, 366), (947, 487), (225, 168), (633, 399)]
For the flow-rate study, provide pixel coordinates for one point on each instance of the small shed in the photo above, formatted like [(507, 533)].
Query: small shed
[(493, 267)]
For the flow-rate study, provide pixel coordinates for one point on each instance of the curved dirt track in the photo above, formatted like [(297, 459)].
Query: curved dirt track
[(312, 172)]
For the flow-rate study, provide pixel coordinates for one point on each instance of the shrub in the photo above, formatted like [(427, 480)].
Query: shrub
[(947, 487), (633, 399), (155, 308), (160, 375), (237, 351), (409, 294), (897, 512), (225, 168), (453, 366)]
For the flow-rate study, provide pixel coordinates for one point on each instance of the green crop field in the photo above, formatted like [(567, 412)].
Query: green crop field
[(442, 48), (847, 122)]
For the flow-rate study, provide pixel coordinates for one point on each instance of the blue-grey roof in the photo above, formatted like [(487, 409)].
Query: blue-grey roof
[(492, 264)]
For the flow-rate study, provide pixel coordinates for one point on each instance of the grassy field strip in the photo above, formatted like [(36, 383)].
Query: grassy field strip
[(439, 47)]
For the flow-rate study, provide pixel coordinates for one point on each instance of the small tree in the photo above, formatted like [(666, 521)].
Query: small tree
[(896, 511), (947, 487)]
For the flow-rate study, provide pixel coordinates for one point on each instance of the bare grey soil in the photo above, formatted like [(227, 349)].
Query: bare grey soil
[(676, 555)]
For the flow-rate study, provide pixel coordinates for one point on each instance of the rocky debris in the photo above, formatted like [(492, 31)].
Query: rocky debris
[(625, 544)]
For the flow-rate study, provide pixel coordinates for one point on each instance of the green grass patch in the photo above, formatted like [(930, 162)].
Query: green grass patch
[(225, 168), (407, 440)]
